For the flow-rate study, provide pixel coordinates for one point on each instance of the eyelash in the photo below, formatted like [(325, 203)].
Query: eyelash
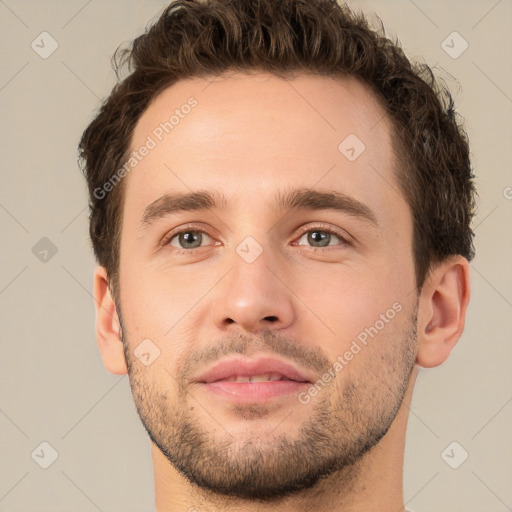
[(196, 229)]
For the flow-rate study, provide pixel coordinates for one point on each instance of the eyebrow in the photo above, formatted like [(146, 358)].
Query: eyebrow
[(311, 199), (295, 199), (174, 203)]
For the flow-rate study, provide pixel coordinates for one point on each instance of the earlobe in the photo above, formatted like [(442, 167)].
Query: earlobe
[(108, 329), (442, 310)]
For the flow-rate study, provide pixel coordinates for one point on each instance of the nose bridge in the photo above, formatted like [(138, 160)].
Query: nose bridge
[(252, 295), (252, 266)]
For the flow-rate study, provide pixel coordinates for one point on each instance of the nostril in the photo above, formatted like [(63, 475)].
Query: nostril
[(271, 318)]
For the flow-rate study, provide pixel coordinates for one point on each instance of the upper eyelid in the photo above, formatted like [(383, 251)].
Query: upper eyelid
[(324, 227)]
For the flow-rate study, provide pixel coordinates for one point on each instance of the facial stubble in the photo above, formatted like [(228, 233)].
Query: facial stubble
[(344, 424)]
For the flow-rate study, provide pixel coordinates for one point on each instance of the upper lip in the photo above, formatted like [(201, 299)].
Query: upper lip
[(239, 366)]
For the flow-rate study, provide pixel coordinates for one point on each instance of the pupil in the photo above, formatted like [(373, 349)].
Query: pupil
[(316, 237), (189, 238)]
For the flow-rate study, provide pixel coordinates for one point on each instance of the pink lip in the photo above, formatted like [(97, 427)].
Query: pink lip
[(239, 366), (293, 380), (255, 392)]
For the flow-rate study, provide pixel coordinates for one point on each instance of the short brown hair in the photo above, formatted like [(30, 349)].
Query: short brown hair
[(198, 38)]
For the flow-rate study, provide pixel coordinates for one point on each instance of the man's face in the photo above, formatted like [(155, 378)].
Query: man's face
[(254, 278)]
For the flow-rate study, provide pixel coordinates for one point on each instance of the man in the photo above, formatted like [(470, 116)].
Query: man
[(280, 209)]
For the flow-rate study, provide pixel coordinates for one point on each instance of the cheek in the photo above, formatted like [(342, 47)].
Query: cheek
[(154, 299), (351, 300), (158, 310)]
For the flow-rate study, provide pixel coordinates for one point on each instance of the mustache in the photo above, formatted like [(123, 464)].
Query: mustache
[(266, 341)]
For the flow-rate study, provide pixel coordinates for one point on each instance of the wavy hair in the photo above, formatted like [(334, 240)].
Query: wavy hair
[(198, 38)]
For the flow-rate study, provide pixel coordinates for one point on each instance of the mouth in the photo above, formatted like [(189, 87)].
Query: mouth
[(266, 377), (245, 380)]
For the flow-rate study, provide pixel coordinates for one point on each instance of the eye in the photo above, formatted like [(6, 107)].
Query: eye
[(322, 237), (187, 239)]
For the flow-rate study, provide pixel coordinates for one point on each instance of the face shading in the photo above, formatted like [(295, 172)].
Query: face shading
[(266, 252)]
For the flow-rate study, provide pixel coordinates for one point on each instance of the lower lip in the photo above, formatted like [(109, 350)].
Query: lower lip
[(255, 392)]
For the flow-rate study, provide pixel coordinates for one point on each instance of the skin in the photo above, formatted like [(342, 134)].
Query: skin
[(248, 137)]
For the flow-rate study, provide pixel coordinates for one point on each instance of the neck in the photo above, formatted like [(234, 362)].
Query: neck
[(373, 484)]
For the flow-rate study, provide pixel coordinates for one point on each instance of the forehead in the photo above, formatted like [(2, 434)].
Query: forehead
[(318, 103), (248, 134)]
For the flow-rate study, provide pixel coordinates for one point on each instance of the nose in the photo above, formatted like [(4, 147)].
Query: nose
[(254, 296)]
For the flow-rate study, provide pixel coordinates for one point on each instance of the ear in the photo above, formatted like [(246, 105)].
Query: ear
[(442, 309), (108, 329)]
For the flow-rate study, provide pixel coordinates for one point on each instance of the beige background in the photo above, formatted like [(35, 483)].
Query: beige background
[(53, 384)]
